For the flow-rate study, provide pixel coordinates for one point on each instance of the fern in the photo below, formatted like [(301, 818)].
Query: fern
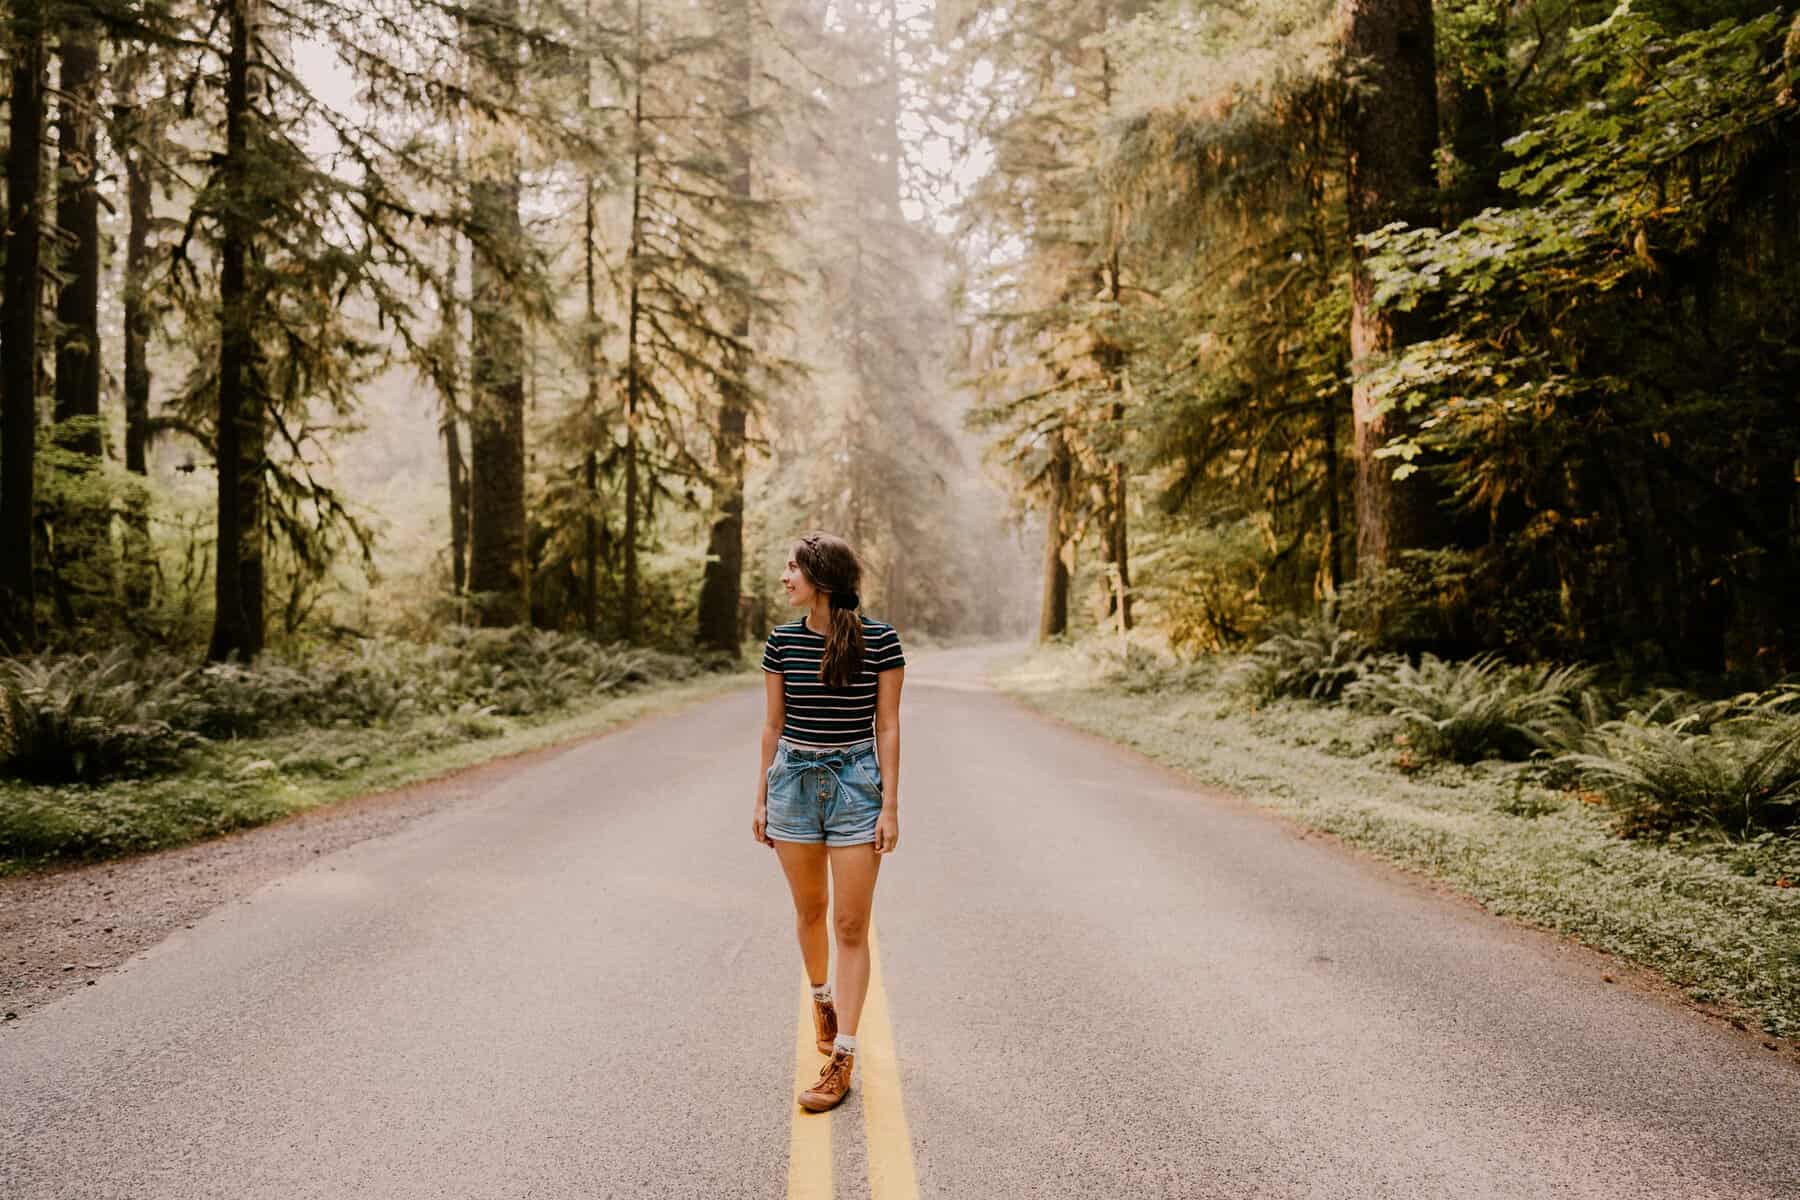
[(1481, 708), (1731, 766), (85, 718), (1314, 659)]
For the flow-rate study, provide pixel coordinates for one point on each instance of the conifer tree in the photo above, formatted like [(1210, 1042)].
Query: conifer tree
[(1392, 135), (497, 570), (80, 543), (135, 133), (721, 585), (27, 33), (241, 430), (1051, 390)]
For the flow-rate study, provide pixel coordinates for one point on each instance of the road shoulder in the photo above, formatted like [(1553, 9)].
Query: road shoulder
[(1427, 842), (61, 928)]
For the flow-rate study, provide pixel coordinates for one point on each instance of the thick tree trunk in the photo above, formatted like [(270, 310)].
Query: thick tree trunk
[(1053, 615), (84, 527), (18, 328), (721, 589), (497, 574), (1392, 135), (497, 411), (238, 570), (78, 216), (129, 130)]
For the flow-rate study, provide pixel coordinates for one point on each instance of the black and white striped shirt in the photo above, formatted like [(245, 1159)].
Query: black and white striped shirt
[(818, 715)]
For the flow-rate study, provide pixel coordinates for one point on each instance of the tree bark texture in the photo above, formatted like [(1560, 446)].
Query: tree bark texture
[(84, 527), (78, 217), (497, 573), (129, 130), (238, 570), (1391, 136), (18, 328)]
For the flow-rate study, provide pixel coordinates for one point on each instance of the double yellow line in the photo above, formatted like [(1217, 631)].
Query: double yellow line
[(877, 1073)]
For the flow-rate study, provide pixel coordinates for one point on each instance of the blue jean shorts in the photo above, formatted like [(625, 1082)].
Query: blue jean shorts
[(831, 795)]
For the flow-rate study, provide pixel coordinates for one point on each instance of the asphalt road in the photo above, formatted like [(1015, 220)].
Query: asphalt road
[(1095, 981)]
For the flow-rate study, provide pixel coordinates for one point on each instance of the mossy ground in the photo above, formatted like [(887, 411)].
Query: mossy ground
[(1708, 915), (228, 785)]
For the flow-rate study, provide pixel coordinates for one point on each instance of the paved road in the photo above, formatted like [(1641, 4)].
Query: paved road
[(1096, 982)]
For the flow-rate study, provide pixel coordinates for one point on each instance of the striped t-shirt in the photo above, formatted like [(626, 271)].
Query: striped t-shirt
[(818, 715)]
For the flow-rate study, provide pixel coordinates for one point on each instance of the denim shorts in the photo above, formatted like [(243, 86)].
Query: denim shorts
[(831, 795)]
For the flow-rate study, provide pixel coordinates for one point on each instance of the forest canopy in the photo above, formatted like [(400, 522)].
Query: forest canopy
[(332, 321), (1467, 323), (1470, 321)]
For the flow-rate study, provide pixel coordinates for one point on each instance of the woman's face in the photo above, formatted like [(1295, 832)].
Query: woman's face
[(799, 592)]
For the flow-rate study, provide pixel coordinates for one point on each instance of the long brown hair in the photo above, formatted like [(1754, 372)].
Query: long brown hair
[(830, 565)]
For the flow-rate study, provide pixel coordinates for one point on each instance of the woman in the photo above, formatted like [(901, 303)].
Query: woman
[(831, 780)]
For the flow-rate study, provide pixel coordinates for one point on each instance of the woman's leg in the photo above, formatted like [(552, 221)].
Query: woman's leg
[(853, 870), (804, 865)]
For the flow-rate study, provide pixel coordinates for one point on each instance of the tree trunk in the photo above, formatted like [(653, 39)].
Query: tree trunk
[(1053, 616), (1118, 600), (721, 589), (238, 570), (1334, 521), (590, 467), (497, 416), (1391, 134), (497, 574), (84, 528), (129, 130), (455, 470), (78, 217), (628, 607), (18, 328), (1121, 555)]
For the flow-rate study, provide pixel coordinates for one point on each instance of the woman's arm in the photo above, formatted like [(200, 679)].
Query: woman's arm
[(887, 753), (774, 717)]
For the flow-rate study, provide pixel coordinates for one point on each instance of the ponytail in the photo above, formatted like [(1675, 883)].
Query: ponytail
[(842, 661)]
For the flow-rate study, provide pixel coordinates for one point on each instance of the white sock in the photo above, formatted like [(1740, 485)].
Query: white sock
[(845, 1042), (823, 991)]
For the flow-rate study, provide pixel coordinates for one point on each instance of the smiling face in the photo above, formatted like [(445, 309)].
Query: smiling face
[(800, 591)]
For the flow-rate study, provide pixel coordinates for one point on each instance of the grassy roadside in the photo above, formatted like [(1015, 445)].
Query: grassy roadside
[(235, 784), (1706, 915)]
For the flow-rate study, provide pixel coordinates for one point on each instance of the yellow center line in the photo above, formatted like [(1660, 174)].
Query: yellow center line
[(891, 1174), (809, 1141)]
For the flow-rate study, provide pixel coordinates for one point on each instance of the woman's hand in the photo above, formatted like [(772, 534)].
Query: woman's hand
[(759, 819), (887, 831)]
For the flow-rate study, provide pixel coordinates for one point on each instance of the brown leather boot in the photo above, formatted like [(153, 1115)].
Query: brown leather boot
[(825, 1024), (833, 1085)]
